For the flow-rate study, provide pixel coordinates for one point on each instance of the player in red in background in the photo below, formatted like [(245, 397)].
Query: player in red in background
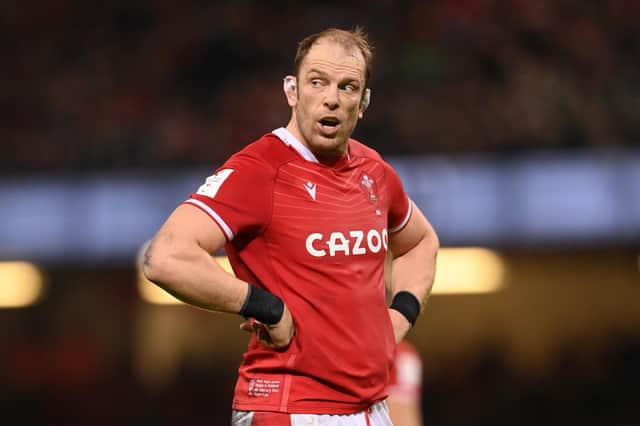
[(405, 386), (306, 215)]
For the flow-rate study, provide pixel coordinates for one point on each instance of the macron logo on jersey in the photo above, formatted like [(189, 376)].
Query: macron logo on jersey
[(311, 189), (359, 242), (213, 183)]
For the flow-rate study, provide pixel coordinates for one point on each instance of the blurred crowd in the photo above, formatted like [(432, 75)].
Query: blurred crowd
[(585, 384), (159, 83)]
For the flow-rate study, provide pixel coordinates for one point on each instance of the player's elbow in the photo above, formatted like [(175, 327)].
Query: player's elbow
[(433, 241), (156, 265), (429, 243)]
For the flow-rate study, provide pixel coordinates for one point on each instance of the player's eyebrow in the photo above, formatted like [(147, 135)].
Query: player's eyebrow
[(317, 71), (346, 79)]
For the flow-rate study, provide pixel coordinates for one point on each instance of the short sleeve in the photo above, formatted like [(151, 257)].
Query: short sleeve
[(237, 196), (400, 205)]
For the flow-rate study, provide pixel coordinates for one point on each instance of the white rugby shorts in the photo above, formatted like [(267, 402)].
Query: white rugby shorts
[(376, 415)]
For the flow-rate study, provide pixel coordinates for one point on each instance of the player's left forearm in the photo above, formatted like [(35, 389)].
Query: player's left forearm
[(414, 271)]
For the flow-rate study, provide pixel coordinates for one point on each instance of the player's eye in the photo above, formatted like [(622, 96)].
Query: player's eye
[(350, 87)]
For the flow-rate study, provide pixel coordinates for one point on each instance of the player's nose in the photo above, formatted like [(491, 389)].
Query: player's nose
[(331, 99)]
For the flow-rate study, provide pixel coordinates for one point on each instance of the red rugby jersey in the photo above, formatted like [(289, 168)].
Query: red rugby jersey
[(316, 236)]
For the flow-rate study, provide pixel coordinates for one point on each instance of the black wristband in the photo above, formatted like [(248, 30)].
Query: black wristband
[(407, 304), (264, 306)]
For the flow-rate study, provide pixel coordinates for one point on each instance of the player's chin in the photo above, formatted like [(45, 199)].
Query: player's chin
[(328, 144), (333, 137)]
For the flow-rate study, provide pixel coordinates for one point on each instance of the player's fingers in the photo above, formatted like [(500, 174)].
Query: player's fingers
[(263, 336), (250, 325), (264, 333)]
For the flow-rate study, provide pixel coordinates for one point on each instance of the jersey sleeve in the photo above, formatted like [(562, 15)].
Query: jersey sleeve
[(237, 196), (400, 206)]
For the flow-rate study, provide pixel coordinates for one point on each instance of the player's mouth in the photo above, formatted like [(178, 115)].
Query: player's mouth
[(329, 125)]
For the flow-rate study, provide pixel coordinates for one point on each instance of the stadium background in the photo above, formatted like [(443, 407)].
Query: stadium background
[(514, 124)]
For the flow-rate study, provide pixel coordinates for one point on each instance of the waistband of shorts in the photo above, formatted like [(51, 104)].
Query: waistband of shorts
[(375, 407), (379, 406)]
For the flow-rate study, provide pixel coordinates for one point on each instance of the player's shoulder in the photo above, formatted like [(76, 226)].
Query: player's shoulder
[(359, 149), (267, 151)]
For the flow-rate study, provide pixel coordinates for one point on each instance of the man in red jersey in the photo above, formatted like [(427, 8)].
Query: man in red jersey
[(306, 215)]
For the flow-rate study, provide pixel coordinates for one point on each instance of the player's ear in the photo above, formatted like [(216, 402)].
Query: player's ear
[(290, 90), (364, 102)]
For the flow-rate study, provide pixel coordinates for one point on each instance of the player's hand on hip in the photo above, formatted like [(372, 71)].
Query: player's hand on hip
[(401, 325), (275, 336)]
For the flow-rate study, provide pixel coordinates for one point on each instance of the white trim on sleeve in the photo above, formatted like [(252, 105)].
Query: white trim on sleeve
[(405, 220), (227, 230)]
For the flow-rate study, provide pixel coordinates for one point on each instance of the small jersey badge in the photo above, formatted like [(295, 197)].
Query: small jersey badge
[(311, 189), (263, 387), (212, 184), (369, 187)]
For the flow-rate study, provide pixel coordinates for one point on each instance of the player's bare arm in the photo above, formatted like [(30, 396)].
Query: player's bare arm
[(179, 261), (414, 250), (405, 413)]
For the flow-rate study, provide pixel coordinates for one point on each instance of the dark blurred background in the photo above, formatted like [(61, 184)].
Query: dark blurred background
[(515, 126)]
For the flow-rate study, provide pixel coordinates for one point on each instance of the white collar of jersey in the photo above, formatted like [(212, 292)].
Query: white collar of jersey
[(287, 137)]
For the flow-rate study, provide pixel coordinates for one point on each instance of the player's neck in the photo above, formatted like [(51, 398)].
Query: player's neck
[(327, 158), (331, 160)]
